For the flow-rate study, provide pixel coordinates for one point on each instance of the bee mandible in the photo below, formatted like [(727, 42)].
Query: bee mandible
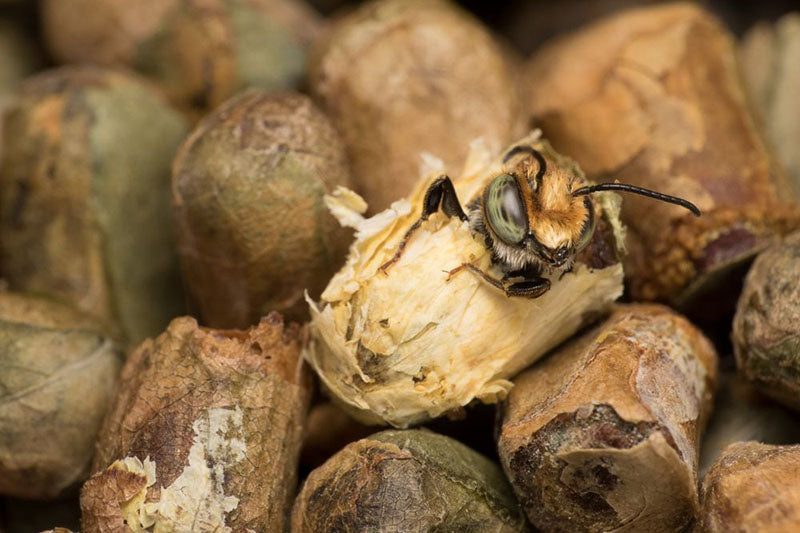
[(533, 219)]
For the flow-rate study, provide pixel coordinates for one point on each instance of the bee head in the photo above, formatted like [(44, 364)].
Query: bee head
[(533, 210), (547, 214)]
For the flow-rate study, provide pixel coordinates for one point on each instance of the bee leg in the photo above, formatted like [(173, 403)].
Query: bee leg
[(532, 287), (448, 199), (440, 194), (478, 272), (529, 288)]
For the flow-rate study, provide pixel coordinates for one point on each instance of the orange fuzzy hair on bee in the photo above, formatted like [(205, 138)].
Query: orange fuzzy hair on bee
[(556, 217), (556, 221)]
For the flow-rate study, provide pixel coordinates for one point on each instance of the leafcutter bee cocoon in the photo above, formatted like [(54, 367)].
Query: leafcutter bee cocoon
[(434, 306)]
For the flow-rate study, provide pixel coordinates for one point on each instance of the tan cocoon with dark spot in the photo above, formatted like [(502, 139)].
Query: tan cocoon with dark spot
[(204, 434), (604, 434), (652, 97)]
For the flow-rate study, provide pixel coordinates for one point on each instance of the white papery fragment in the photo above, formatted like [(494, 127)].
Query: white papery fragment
[(196, 500)]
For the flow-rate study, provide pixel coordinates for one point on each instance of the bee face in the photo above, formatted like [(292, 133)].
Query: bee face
[(533, 216)]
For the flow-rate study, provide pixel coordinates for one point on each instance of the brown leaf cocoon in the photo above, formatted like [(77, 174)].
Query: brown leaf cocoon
[(604, 434), (651, 97), (414, 342), (413, 481), (201, 52), (753, 487), (253, 230), (204, 434), (84, 196), (108, 493), (766, 328), (403, 77), (57, 375)]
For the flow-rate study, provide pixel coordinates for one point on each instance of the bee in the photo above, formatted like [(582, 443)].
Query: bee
[(533, 218)]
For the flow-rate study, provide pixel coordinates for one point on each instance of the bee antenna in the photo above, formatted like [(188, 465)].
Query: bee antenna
[(623, 187), (530, 150)]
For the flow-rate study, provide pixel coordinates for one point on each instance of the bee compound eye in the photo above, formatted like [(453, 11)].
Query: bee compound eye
[(505, 212)]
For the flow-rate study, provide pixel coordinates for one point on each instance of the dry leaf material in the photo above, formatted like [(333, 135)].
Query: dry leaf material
[(766, 328), (753, 487), (201, 52), (604, 434), (741, 414), (410, 481), (204, 434), (403, 77), (768, 56), (247, 188), (403, 345), (652, 97), (57, 375), (84, 209)]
